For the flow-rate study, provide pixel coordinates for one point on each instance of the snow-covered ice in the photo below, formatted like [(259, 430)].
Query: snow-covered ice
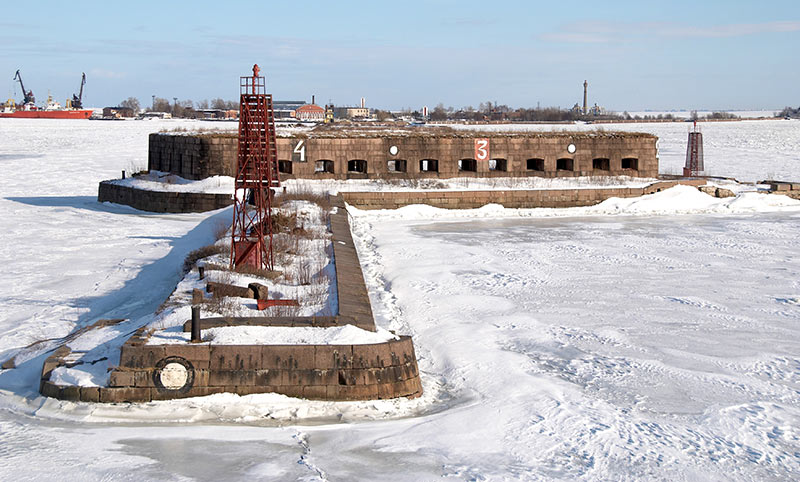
[(639, 339)]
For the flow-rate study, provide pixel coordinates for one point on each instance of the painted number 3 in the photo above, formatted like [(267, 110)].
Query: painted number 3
[(481, 149)]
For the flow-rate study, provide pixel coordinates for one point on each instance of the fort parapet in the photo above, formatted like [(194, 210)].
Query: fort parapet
[(427, 153)]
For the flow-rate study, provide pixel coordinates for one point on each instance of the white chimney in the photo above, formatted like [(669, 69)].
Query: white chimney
[(363, 103)]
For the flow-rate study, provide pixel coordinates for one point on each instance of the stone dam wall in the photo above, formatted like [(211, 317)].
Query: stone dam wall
[(324, 372)]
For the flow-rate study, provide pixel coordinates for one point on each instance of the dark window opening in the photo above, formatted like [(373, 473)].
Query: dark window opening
[(601, 164), (498, 165), (535, 165), (564, 164), (429, 165), (630, 163), (470, 165), (396, 165), (285, 167), (357, 165), (324, 165)]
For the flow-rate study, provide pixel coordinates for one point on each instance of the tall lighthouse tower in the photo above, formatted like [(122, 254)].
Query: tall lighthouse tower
[(585, 103)]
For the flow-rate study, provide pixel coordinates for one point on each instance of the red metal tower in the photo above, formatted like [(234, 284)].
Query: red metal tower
[(256, 174), (694, 153)]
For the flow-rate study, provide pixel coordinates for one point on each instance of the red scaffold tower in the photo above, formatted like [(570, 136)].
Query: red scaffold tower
[(256, 175), (694, 153)]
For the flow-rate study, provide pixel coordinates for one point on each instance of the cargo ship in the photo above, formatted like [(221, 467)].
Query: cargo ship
[(56, 112), (53, 110)]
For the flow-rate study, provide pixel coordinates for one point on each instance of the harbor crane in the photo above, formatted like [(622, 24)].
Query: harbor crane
[(77, 100), (28, 94)]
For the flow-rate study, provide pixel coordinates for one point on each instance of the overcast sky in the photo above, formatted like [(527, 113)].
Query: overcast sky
[(664, 54)]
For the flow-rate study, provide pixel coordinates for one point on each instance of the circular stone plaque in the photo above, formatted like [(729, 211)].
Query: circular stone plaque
[(393, 150), (571, 148), (174, 374)]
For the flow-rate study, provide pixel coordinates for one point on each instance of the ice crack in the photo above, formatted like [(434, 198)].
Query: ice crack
[(302, 440)]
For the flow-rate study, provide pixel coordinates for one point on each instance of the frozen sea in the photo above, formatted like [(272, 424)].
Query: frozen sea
[(618, 344)]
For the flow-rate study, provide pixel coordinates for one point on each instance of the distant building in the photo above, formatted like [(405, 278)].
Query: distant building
[(155, 115), (351, 112), (596, 110), (217, 114), (284, 109), (310, 112), (360, 112), (118, 112), (211, 113)]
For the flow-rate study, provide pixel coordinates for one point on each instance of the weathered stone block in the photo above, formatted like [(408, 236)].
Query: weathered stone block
[(90, 394), (235, 357), (130, 394), (118, 378), (141, 356), (50, 389)]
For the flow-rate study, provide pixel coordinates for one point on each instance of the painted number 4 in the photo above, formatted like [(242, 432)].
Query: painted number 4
[(299, 152), (481, 149)]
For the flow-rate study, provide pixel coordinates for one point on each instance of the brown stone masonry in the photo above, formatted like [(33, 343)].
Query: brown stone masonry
[(193, 156), (162, 201), (543, 198), (421, 154)]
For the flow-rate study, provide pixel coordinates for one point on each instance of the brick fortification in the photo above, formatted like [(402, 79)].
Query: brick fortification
[(193, 156), (419, 154)]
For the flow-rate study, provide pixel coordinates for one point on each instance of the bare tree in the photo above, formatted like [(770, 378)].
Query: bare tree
[(438, 113), (162, 105), (132, 103)]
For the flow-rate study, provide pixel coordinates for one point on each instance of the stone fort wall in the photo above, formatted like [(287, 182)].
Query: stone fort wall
[(161, 201), (539, 198), (343, 156)]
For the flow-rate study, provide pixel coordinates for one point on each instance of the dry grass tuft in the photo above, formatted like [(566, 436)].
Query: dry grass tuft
[(222, 301), (200, 253), (283, 223), (302, 193), (257, 272), (221, 229)]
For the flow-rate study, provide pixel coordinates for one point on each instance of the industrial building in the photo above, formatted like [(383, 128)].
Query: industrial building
[(359, 112)]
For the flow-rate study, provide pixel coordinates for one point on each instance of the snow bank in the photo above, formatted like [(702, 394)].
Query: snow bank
[(277, 335), (464, 184), (676, 200), (164, 181)]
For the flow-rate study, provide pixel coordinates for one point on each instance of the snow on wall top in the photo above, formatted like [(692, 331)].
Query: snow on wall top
[(388, 130)]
